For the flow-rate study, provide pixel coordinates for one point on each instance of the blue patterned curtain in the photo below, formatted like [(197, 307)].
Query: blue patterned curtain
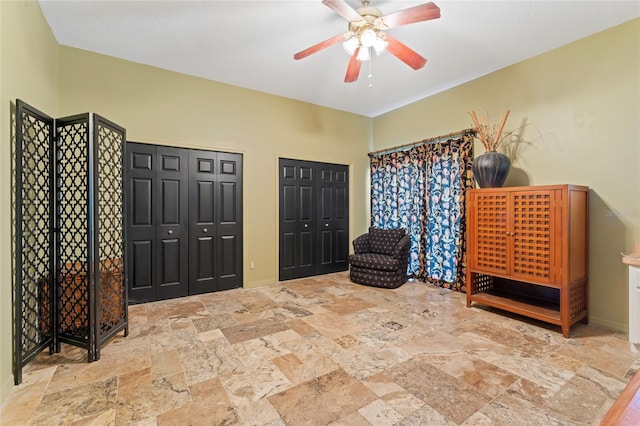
[(398, 196), (423, 191)]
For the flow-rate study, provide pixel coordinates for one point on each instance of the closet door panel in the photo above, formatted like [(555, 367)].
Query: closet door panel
[(143, 206), (297, 247), (228, 266), (142, 272), (202, 219), (141, 213), (306, 221), (341, 217), (333, 219), (229, 221), (172, 226), (325, 220)]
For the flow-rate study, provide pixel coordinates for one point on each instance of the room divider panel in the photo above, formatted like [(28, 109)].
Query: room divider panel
[(90, 238), (33, 327), (69, 271)]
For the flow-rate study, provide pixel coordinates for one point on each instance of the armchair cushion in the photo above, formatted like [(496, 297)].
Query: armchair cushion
[(384, 241), (375, 261)]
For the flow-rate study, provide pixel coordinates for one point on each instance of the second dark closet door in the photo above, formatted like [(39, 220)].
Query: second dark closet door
[(156, 192), (173, 225), (215, 223), (314, 218)]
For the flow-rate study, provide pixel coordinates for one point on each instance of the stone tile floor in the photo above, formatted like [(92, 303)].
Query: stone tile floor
[(323, 350)]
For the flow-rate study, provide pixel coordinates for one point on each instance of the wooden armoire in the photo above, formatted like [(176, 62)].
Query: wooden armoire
[(527, 251)]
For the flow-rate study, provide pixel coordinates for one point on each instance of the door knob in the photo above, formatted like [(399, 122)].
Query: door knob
[(326, 225), (170, 232), (306, 226), (205, 230)]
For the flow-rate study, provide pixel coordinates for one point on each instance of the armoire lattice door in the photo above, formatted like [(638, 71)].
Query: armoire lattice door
[(69, 275), (490, 238), (533, 235)]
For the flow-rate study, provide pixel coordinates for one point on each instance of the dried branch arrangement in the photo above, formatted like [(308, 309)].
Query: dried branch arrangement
[(489, 135)]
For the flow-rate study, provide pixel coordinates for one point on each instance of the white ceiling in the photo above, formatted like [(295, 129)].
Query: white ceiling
[(251, 43)]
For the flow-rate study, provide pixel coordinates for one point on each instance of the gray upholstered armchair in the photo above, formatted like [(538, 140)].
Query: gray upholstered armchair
[(380, 258)]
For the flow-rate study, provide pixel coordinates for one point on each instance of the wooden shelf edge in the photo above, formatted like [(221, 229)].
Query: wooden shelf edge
[(517, 307)]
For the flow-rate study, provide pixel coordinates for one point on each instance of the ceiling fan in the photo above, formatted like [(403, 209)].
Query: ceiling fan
[(366, 33)]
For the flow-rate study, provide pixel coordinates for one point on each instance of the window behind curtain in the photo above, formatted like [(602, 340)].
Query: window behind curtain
[(422, 190)]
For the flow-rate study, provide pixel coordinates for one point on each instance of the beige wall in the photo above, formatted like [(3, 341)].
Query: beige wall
[(169, 108), (28, 71), (581, 104)]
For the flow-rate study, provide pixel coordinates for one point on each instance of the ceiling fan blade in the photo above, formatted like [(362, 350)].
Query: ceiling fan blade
[(423, 12), (404, 53), (343, 9), (318, 47), (353, 70)]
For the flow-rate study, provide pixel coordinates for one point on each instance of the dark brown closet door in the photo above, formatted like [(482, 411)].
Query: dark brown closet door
[(314, 218), (297, 219), (141, 217), (229, 221), (202, 221), (173, 219), (156, 191), (333, 218), (215, 221), (184, 221)]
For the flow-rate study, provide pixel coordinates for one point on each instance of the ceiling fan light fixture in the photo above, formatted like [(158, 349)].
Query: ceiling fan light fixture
[(380, 45), (366, 26), (368, 37), (350, 45), (363, 54)]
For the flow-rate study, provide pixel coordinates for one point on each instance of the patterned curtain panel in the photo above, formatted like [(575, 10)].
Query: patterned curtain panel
[(398, 196), (423, 191), (449, 176)]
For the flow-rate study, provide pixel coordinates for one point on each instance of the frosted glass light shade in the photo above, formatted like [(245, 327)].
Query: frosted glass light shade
[(379, 45), (363, 54), (350, 45), (368, 37)]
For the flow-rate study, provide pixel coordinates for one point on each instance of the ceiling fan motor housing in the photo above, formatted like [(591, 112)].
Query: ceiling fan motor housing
[(371, 19)]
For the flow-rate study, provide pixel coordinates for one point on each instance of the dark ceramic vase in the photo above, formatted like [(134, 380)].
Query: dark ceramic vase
[(491, 169)]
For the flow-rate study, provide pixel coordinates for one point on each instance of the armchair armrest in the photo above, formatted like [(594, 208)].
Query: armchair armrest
[(361, 244), (401, 251)]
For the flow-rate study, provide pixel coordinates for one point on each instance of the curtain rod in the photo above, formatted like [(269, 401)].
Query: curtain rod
[(465, 132)]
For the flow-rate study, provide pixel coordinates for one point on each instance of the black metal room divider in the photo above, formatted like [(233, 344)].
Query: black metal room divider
[(90, 232), (79, 193), (34, 242)]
